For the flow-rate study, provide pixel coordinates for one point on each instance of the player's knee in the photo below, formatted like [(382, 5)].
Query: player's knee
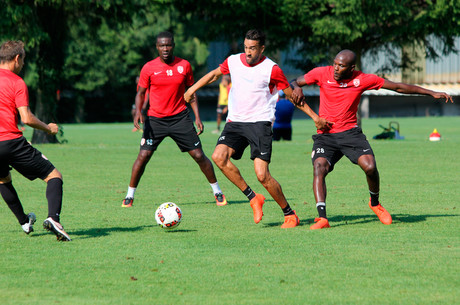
[(320, 167), (198, 155), (370, 169), (218, 158)]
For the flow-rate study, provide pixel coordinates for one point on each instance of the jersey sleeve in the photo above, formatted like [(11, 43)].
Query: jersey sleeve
[(189, 77), (374, 82), (144, 78), (278, 78), (224, 67), (312, 77), (21, 93)]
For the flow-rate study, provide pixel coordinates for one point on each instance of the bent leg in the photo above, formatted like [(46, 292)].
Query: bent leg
[(221, 158), (54, 194), (11, 198), (204, 163), (320, 171), (139, 166), (269, 183), (369, 166)]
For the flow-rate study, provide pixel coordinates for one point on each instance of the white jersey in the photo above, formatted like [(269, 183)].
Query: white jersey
[(250, 99)]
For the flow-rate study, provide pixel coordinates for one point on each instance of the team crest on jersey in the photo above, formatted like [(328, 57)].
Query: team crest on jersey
[(356, 82), (180, 69)]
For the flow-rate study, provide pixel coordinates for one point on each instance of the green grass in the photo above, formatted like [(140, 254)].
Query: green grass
[(218, 255)]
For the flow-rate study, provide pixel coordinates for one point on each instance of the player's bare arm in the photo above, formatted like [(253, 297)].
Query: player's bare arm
[(298, 99), (205, 80), (139, 101), (198, 123), (412, 89), (28, 118)]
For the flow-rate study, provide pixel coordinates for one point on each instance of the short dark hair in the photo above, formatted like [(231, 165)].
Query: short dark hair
[(10, 49), (165, 34), (257, 35)]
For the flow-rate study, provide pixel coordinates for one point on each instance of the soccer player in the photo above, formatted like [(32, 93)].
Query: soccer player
[(341, 88), (16, 152), (255, 83), (165, 78)]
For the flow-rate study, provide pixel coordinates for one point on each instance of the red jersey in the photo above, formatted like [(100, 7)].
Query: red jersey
[(13, 94), (166, 85), (277, 78), (339, 100)]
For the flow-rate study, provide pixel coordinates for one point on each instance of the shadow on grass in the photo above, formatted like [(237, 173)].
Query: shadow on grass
[(337, 221), (100, 232)]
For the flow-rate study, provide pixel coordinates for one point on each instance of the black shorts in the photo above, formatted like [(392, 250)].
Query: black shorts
[(178, 127), (24, 158), (220, 109), (333, 146), (282, 133), (257, 135)]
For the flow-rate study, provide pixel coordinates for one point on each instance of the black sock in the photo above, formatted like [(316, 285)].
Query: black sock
[(374, 199), (54, 196), (11, 198), (321, 207), (249, 193), (288, 211)]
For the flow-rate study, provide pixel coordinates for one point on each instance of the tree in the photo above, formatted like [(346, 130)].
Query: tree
[(318, 28), (85, 46)]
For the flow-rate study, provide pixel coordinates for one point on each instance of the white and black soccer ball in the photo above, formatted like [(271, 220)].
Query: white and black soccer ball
[(168, 215)]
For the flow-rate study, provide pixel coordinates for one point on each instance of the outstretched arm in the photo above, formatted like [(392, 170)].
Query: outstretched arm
[(298, 99), (205, 80), (412, 89)]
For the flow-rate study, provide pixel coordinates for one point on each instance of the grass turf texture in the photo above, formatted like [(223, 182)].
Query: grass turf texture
[(218, 255)]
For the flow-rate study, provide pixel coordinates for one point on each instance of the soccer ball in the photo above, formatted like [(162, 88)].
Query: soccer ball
[(168, 215)]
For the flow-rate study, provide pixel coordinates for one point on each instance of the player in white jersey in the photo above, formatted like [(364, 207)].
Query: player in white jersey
[(251, 110)]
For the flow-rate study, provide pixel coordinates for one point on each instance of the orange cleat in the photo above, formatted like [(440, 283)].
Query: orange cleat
[(381, 213), (256, 205), (290, 221), (220, 199), (127, 202), (321, 223)]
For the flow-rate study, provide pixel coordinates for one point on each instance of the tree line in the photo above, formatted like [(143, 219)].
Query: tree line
[(78, 51)]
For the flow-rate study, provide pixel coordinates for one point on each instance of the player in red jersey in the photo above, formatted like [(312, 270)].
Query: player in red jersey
[(166, 78), (16, 152), (251, 110), (341, 88)]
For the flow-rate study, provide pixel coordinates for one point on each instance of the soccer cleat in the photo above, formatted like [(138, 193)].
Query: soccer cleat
[(321, 223), (290, 221), (381, 213), (127, 202), (256, 205), (28, 226), (220, 199), (50, 225)]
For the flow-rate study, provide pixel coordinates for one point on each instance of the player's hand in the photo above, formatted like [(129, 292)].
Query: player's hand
[(53, 128), (323, 124), (138, 117), (189, 97), (200, 126), (297, 96), (443, 95)]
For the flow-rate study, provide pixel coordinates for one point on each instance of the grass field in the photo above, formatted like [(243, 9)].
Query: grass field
[(218, 255)]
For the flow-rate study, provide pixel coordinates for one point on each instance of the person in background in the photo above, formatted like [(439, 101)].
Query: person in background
[(222, 102), (284, 110), (165, 78)]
